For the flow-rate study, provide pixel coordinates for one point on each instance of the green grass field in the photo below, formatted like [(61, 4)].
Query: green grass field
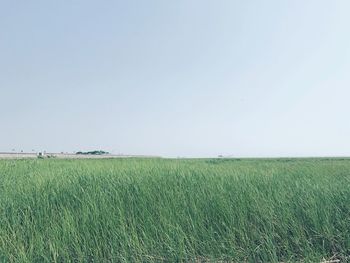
[(160, 210)]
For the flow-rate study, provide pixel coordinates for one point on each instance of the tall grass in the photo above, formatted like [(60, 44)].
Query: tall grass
[(158, 210)]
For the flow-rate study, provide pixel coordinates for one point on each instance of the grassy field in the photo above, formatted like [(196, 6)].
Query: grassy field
[(159, 210)]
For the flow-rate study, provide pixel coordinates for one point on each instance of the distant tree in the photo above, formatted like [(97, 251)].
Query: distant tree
[(92, 152)]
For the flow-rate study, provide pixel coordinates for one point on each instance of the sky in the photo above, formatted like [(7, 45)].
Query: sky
[(185, 78)]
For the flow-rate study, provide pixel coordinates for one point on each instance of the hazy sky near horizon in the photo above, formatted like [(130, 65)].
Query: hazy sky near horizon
[(176, 78)]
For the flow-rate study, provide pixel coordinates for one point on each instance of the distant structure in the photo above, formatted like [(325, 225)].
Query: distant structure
[(80, 155)]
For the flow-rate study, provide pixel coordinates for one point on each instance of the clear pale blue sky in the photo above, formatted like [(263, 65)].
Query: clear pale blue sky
[(176, 78)]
